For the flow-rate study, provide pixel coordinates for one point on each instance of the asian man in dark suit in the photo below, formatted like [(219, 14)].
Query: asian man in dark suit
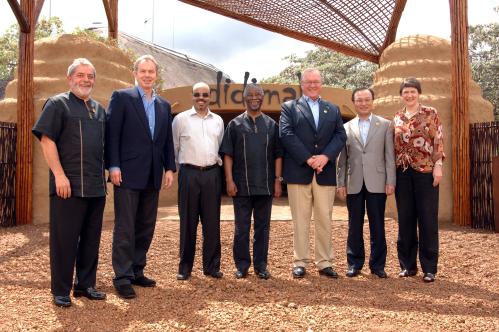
[(139, 150), (312, 134)]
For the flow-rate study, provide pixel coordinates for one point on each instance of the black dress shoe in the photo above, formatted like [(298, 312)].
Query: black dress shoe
[(429, 277), (298, 272), (90, 293), (125, 291), (144, 281), (216, 274), (62, 301), (352, 272), (328, 272), (183, 276), (407, 273), (263, 274), (380, 273), (240, 274)]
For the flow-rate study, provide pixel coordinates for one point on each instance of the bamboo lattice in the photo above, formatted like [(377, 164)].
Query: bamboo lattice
[(7, 174), (357, 27), (484, 145)]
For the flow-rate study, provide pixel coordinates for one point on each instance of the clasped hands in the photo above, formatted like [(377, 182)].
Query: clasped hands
[(317, 162)]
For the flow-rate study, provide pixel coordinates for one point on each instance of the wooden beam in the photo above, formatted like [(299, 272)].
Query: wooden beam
[(25, 117), (111, 8), (391, 32), (38, 9), (287, 32), (460, 76), (22, 20), (495, 192)]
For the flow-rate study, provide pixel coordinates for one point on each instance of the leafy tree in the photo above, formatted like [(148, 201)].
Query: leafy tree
[(10, 43), (337, 69), (484, 60)]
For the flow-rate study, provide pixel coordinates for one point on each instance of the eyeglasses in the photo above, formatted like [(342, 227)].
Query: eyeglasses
[(312, 82), (360, 101), (204, 94)]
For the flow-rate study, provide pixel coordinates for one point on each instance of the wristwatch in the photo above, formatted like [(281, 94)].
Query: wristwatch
[(279, 178)]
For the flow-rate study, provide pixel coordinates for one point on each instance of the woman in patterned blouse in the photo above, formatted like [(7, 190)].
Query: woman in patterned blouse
[(419, 154)]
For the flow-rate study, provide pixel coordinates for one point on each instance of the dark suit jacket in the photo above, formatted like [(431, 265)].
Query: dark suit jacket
[(129, 144), (301, 140)]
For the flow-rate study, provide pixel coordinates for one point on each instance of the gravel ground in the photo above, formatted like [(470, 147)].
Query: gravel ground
[(465, 296)]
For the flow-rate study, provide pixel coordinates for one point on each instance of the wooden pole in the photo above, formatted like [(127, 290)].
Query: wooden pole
[(495, 192), (25, 116), (460, 77), (111, 8)]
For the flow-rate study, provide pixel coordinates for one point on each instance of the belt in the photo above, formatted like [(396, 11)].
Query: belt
[(199, 168)]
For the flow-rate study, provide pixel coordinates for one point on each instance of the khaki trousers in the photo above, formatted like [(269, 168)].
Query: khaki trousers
[(303, 198)]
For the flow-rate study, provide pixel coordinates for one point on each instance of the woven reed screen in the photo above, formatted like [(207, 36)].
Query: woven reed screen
[(7, 173), (360, 28), (484, 145)]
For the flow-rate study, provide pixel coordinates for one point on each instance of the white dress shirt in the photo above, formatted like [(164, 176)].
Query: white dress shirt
[(314, 107), (364, 128), (196, 139)]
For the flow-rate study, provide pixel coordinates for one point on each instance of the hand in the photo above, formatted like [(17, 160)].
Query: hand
[(115, 177), (231, 188), (321, 161), (62, 186), (341, 192), (437, 175), (389, 189), (168, 179), (277, 188)]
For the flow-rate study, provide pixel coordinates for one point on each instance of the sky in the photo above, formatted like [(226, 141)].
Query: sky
[(232, 46)]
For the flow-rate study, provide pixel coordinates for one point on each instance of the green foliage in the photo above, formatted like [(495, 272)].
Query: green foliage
[(484, 60), (337, 70), (10, 43), (91, 34)]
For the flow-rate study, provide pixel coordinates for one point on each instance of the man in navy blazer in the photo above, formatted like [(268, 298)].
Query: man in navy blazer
[(312, 134), (139, 150)]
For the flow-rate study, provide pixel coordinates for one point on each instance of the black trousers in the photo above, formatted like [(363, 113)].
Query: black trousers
[(261, 208), (356, 204), (75, 230), (417, 205), (135, 219), (199, 198)]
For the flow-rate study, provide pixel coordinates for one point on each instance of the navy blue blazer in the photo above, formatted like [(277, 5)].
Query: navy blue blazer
[(129, 144), (301, 140)]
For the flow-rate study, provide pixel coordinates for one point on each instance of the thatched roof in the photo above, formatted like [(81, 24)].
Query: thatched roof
[(177, 69)]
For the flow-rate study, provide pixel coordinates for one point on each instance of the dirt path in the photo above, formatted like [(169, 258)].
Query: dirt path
[(464, 297)]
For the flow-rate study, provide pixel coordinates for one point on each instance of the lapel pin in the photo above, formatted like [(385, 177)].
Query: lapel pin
[(325, 111)]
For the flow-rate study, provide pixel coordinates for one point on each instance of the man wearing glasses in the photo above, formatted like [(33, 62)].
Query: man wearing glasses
[(312, 134), (139, 153), (366, 175), (197, 134), (71, 132)]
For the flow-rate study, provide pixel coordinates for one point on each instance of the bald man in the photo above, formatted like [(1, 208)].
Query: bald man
[(197, 134)]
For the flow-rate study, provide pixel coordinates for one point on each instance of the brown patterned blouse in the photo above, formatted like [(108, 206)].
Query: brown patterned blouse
[(418, 140)]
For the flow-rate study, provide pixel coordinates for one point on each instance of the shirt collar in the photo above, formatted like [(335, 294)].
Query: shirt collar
[(368, 119), (143, 94), (310, 100), (192, 112)]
